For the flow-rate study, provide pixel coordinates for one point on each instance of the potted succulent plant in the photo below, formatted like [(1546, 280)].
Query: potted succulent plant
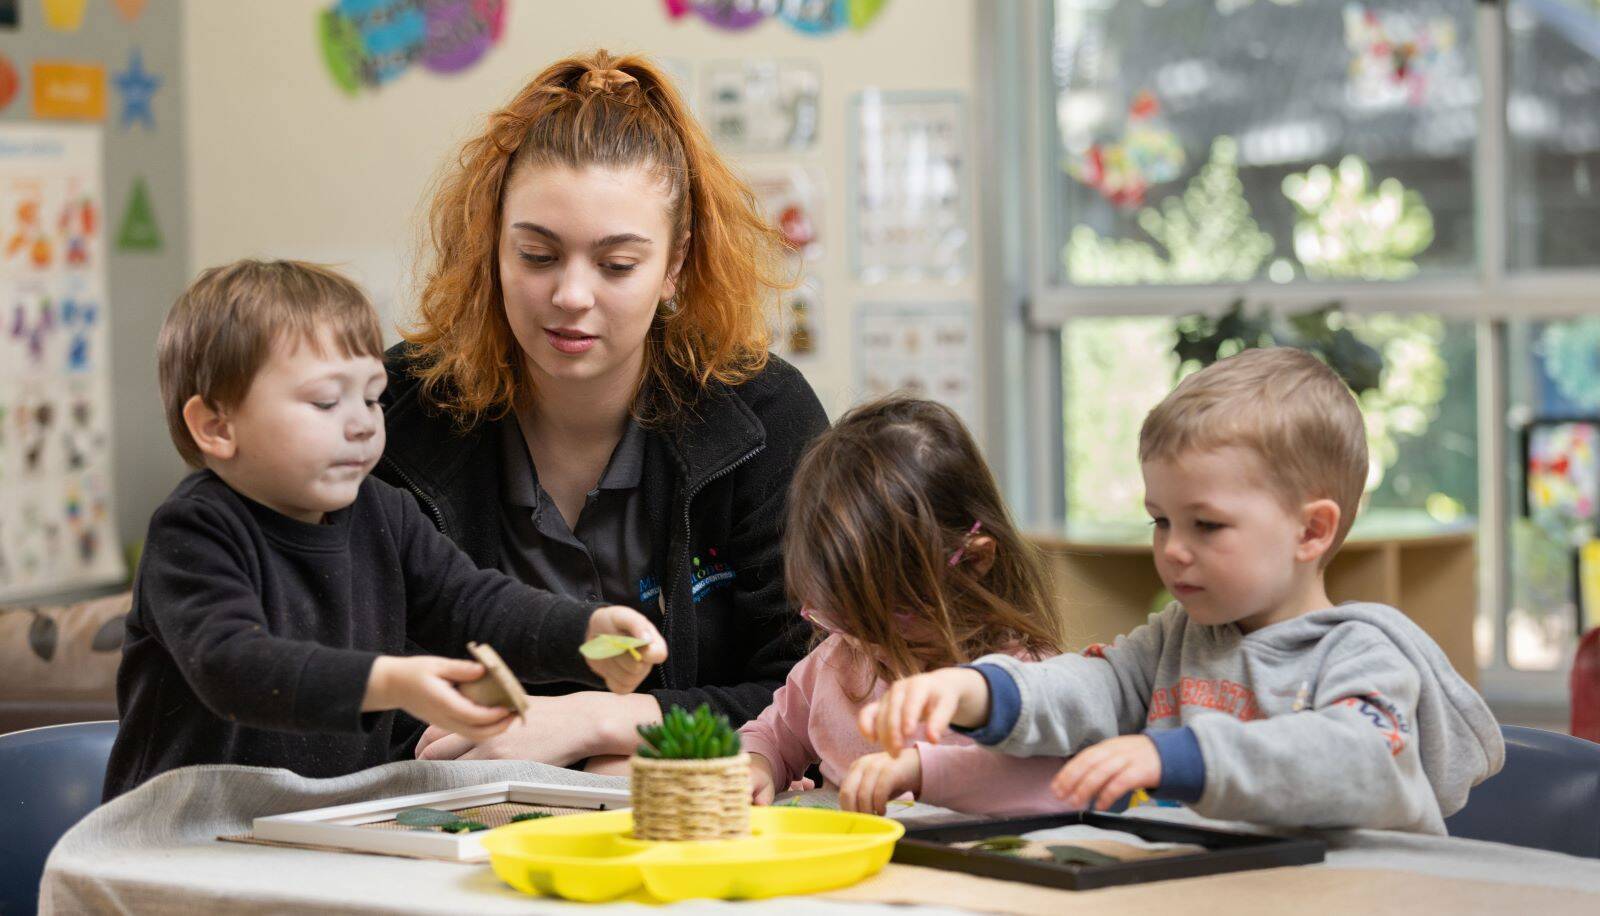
[(690, 779)]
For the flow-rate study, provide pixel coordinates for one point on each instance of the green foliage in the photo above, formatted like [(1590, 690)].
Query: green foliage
[(1202, 340), (1208, 233), (530, 816), (1346, 229), (425, 817), (685, 736)]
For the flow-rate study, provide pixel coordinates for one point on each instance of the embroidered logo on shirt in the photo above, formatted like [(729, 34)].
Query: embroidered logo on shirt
[(706, 574), (1384, 716)]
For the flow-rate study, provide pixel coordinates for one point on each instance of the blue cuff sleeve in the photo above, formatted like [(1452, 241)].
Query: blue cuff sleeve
[(1005, 706), (1183, 769)]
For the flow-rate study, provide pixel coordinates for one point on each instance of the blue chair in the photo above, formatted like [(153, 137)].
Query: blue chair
[(50, 778), (1546, 797)]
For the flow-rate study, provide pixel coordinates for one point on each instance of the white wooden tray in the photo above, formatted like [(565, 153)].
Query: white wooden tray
[(347, 826)]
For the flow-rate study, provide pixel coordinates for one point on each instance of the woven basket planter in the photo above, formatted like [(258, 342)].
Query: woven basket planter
[(691, 799)]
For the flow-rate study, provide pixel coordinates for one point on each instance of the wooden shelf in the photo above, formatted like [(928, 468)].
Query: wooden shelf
[(1105, 582)]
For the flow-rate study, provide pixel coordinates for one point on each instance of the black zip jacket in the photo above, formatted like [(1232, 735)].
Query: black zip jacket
[(715, 484)]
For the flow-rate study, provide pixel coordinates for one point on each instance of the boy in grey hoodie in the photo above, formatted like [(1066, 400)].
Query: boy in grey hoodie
[(1252, 697)]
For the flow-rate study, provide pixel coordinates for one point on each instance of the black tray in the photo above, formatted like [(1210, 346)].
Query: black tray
[(1225, 851)]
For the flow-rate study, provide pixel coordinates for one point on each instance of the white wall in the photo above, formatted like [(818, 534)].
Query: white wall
[(284, 164)]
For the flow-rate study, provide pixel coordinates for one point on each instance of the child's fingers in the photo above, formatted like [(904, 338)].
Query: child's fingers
[(1119, 785), (1094, 781), (1067, 780), (458, 670), (867, 722), (944, 709), (882, 787), (847, 789)]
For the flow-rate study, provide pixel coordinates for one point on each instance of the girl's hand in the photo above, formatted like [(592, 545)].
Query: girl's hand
[(1107, 771), (926, 704), (762, 790), (425, 687), (877, 778), (624, 672)]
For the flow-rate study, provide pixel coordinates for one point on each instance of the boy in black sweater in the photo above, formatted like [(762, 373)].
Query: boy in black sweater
[(278, 584)]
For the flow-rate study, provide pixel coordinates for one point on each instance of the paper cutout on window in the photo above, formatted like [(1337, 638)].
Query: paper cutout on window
[(368, 43), (1148, 154), (139, 231), (1563, 477), (1397, 57)]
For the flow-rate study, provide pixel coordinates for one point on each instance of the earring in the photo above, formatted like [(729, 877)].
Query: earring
[(668, 307)]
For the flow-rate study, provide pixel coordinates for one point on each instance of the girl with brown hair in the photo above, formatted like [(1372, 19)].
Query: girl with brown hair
[(586, 400), (900, 550)]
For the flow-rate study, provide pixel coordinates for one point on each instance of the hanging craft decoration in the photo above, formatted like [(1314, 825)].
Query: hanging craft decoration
[(1396, 57), (810, 17), (137, 86), (139, 231), (9, 82), (1148, 154), (368, 43)]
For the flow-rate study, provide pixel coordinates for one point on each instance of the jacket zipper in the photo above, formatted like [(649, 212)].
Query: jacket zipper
[(687, 533), (433, 508)]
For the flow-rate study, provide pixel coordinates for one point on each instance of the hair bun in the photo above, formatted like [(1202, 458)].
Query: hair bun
[(606, 82)]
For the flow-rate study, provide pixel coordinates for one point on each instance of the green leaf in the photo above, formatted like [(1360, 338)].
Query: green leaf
[(610, 645), (461, 826), (425, 817), (1077, 855), (1005, 845), (530, 816)]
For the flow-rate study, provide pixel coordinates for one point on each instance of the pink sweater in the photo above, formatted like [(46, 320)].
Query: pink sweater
[(812, 720)]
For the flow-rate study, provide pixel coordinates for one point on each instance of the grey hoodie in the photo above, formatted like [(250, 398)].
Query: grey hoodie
[(1345, 717)]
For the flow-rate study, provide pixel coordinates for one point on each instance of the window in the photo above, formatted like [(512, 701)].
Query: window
[(1206, 141), (1553, 123)]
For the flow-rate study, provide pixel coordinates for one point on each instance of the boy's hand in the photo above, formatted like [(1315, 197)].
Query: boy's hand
[(931, 702), (762, 789), (876, 778), (624, 672), (1107, 771), (424, 686)]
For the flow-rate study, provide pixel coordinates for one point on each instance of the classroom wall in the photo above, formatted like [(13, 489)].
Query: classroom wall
[(140, 284), (284, 164)]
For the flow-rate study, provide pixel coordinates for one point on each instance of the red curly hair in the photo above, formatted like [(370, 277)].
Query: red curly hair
[(614, 112)]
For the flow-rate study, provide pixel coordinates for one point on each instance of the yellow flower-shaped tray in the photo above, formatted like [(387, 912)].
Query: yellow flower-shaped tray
[(593, 857)]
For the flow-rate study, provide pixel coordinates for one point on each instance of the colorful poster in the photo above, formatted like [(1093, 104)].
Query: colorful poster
[(762, 106), (910, 180), (55, 449), (928, 350), (1398, 57), (1563, 477), (9, 82)]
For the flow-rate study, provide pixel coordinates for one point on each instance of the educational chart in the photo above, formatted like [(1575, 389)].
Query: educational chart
[(926, 350), (792, 199), (910, 187), (57, 530), (763, 106)]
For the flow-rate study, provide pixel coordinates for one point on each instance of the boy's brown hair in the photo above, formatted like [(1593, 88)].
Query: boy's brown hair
[(1285, 405), (878, 506), (222, 329)]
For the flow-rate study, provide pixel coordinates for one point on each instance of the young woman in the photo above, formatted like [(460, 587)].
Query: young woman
[(586, 400)]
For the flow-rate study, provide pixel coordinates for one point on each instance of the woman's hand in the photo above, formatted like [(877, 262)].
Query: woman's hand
[(626, 671), (558, 730)]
